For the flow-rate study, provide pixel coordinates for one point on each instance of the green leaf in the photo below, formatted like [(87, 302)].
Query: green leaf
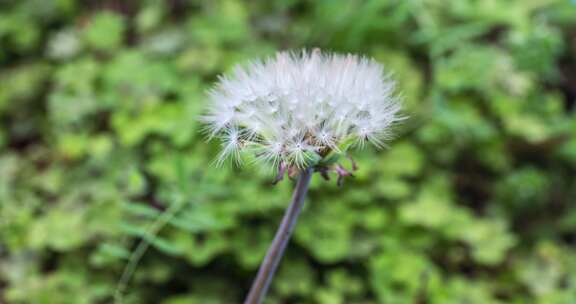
[(105, 31)]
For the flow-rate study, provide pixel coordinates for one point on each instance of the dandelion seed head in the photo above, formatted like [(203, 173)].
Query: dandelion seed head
[(294, 104)]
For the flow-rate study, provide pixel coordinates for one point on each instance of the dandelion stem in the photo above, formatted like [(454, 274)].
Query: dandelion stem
[(276, 250)]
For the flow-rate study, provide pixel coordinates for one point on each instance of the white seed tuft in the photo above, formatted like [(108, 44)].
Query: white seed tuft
[(290, 106)]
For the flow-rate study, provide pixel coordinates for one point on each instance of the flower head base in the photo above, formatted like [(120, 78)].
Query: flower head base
[(295, 108)]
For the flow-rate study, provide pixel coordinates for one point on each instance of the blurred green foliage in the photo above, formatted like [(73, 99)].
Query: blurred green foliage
[(475, 202)]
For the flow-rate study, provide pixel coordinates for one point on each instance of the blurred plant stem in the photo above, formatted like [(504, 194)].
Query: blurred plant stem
[(276, 250)]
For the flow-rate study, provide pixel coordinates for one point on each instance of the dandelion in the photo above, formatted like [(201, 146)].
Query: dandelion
[(300, 111), (295, 106)]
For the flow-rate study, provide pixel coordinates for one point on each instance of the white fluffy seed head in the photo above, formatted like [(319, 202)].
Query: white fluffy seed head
[(296, 104)]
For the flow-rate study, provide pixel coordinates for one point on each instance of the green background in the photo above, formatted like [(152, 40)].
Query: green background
[(473, 202)]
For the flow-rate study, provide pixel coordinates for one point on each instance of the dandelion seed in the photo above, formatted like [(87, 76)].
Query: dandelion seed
[(297, 103)]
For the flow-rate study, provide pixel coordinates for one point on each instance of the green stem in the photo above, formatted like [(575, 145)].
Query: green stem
[(276, 250)]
